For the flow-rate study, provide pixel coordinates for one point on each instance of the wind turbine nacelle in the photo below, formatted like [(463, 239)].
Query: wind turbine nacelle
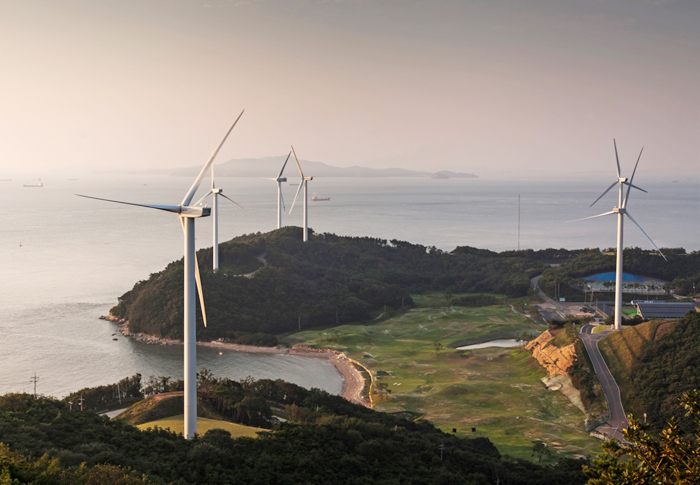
[(216, 191), (188, 211), (282, 179)]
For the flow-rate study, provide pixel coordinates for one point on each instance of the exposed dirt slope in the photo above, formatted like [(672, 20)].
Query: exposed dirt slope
[(556, 360)]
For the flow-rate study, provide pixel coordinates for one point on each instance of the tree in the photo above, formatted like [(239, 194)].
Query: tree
[(670, 459), (540, 448), (438, 347)]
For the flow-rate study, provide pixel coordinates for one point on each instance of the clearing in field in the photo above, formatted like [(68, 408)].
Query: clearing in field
[(177, 425), (497, 391)]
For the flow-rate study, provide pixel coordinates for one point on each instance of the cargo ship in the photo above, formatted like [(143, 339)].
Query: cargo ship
[(316, 198)]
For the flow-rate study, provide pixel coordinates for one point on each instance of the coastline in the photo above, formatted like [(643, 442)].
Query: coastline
[(353, 381)]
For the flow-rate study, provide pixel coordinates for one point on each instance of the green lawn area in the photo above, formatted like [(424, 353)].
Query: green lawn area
[(497, 391), (177, 424)]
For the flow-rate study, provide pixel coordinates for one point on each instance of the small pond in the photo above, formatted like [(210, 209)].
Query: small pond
[(493, 343)]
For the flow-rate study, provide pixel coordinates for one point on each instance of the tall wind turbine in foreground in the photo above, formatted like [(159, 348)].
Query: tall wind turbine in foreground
[(217, 191), (621, 210), (304, 182), (280, 199), (187, 214)]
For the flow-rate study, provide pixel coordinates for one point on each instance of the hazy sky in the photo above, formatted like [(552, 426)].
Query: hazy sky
[(518, 89)]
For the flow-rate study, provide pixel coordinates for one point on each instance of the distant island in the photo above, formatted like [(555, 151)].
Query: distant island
[(270, 167)]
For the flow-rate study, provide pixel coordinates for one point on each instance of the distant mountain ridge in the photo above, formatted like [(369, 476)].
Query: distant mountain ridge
[(270, 167)]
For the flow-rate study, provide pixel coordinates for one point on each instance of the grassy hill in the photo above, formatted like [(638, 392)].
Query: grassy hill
[(162, 406), (176, 424), (654, 363)]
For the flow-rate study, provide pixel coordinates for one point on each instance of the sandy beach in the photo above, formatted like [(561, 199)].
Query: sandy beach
[(353, 381)]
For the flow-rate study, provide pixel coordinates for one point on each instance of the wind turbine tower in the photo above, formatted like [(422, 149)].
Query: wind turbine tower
[(304, 182), (216, 191), (188, 212), (280, 199), (621, 211)]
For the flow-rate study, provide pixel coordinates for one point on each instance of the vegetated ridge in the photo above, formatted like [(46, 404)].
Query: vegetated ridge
[(326, 281), (325, 440)]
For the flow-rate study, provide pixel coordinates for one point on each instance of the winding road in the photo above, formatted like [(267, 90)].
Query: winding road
[(618, 419)]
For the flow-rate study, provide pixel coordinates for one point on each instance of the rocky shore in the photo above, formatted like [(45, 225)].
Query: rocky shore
[(353, 382)]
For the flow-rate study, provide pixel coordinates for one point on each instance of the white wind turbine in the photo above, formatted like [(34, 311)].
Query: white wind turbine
[(280, 199), (621, 210), (304, 182), (187, 214), (216, 191)]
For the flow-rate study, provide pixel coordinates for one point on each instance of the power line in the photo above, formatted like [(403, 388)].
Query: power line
[(34, 379)]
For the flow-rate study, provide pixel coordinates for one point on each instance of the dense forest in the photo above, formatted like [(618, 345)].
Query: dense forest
[(327, 280), (667, 367), (325, 440), (681, 269)]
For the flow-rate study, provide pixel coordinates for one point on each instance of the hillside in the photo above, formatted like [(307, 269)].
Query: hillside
[(326, 281), (270, 167), (327, 440), (654, 363)]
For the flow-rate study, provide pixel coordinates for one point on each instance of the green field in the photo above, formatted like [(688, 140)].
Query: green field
[(177, 424), (496, 391)]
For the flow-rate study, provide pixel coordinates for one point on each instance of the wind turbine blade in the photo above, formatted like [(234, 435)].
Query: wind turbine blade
[(593, 217), (285, 164), (638, 188), (203, 197), (212, 176), (169, 208), (282, 198), (608, 190), (301, 184), (647, 235), (297, 160), (198, 180), (226, 197), (617, 158), (629, 184), (197, 279)]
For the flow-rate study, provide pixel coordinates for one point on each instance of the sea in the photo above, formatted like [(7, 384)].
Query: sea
[(65, 260)]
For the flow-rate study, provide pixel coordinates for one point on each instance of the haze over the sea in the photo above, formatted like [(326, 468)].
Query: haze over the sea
[(503, 89)]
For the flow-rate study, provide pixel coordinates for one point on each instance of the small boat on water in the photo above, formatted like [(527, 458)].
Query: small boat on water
[(317, 198), (35, 185)]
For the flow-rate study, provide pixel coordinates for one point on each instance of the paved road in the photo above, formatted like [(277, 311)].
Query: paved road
[(618, 420)]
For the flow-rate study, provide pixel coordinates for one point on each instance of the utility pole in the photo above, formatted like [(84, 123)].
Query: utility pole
[(70, 403), (81, 401), (441, 447), (119, 394), (34, 379)]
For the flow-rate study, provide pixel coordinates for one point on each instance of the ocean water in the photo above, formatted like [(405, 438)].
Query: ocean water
[(66, 259)]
